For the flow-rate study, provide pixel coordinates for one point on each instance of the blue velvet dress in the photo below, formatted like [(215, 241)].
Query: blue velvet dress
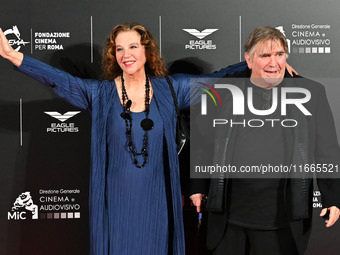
[(136, 196)]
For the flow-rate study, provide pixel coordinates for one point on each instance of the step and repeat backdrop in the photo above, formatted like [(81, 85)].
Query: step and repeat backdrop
[(45, 142)]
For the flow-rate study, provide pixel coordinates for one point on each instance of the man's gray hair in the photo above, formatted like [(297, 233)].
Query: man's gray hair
[(262, 34)]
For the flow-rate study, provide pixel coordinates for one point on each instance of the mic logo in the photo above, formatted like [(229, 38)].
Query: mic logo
[(22, 205)]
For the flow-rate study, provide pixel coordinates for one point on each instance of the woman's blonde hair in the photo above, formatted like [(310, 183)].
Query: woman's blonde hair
[(154, 63)]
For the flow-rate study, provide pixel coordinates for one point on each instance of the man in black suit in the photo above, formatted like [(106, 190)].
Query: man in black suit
[(270, 215)]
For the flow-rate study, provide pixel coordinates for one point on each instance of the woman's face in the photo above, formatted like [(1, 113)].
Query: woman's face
[(130, 53)]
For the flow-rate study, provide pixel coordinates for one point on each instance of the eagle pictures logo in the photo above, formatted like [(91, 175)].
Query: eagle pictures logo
[(200, 44), (62, 127)]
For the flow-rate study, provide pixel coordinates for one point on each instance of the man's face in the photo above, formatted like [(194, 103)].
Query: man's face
[(267, 62)]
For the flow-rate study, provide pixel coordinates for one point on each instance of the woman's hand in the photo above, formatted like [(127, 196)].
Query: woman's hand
[(291, 70), (7, 52)]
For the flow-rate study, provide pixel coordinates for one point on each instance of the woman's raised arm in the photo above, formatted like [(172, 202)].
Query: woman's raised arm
[(7, 52)]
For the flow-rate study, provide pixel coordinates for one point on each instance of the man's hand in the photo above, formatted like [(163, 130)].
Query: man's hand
[(291, 70), (197, 200), (334, 214)]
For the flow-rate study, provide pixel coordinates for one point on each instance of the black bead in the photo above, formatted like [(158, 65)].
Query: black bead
[(125, 116), (146, 124), (128, 104)]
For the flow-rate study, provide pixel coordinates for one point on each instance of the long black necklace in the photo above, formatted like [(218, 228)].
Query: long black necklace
[(146, 124)]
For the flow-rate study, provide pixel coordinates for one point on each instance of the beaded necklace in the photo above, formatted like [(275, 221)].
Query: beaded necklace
[(146, 123)]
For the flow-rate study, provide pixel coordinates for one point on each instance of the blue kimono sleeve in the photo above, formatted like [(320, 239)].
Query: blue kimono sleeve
[(77, 91), (181, 83)]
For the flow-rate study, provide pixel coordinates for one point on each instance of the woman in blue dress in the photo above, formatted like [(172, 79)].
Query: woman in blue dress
[(135, 193)]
